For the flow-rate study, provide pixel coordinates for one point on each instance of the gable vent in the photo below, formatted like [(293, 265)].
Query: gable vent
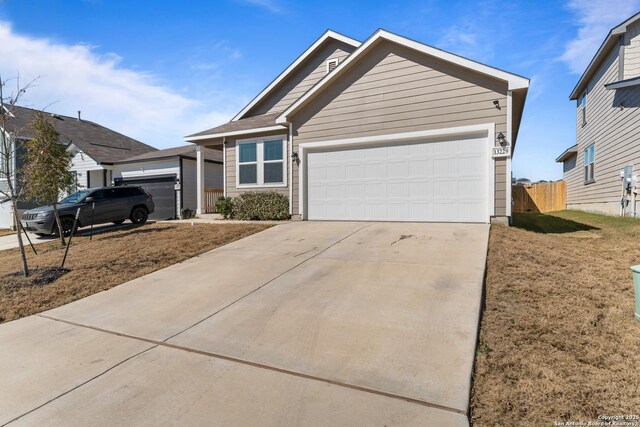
[(332, 64)]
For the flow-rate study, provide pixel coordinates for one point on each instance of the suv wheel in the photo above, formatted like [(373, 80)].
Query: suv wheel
[(67, 224), (139, 215)]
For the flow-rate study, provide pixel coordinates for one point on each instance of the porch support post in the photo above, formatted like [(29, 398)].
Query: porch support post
[(200, 180)]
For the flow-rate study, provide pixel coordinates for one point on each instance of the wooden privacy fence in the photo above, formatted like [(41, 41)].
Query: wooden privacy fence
[(210, 197), (545, 197)]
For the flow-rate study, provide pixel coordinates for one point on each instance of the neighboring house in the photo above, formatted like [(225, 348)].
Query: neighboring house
[(387, 129), (94, 148), (170, 175), (607, 116), (523, 181)]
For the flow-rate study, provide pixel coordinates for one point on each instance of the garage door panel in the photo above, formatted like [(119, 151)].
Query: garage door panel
[(164, 195), (431, 181)]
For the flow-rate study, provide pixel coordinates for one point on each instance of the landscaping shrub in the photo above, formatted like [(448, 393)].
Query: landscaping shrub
[(266, 205), (224, 206)]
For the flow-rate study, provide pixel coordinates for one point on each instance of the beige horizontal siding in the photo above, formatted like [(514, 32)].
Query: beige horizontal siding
[(301, 80), (396, 90), (614, 132)]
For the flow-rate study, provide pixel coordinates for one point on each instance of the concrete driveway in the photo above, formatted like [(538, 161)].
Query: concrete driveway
[(306, 323)]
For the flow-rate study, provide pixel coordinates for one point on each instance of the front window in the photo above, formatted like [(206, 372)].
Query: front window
[(261, 162), (589, 163), (582, 103), (248, 163)]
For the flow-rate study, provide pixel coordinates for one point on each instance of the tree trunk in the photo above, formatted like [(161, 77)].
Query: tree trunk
[(58, 224), (23, 255)]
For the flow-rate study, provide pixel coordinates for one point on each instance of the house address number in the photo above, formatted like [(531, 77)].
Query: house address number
[(503, 151)]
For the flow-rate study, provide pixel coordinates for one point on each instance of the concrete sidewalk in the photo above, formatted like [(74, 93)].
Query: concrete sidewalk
[(11, 241), (305, 323)]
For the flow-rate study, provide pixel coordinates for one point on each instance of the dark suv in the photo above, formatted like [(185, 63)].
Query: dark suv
[(112, 204)]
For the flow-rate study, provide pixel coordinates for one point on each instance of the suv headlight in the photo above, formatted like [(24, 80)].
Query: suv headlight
[(45, 214)]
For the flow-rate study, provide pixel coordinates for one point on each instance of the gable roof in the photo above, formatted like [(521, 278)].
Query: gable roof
[(329, 34), (514, 81), (609, 42), (185, 151), (568, 153), (262, 123), (100, 143)]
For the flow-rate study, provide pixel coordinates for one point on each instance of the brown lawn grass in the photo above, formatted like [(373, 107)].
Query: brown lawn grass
[(110, 259), (558, 338), (6, 232)]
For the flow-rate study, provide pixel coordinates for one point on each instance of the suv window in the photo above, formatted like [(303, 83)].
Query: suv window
[(101, 194), (127, 191)]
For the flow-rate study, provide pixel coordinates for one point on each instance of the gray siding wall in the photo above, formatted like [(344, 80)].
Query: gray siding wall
[(614, 132), (396, 90), (631, 64), (308, 74)]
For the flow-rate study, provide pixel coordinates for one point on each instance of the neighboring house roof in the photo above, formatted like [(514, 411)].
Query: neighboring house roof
[(185, 151), (568, 153), (100, 143), (329, 34), (514, 81), (263, 123), (609, 42)]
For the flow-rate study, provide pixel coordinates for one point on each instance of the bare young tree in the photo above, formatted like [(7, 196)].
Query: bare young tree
[(46, 171), (10, 135)]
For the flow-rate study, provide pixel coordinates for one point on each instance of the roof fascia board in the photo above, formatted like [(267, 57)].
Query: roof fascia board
[(234, 133), (573, 150), (623, 83), (597, 58), (328, 34), (155, 159), (515, 82)]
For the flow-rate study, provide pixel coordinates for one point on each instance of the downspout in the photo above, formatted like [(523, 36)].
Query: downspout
[(291, 169), (181, 192), (224, 166)]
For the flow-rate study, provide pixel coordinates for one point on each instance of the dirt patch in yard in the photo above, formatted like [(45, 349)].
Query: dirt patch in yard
[(558, 338), (108, 260)]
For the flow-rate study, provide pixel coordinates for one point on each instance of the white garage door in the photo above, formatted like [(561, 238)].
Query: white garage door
[(444, 180)]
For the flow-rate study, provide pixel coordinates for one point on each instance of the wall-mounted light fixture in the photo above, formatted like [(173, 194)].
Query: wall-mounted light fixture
[(501, 138), (294, 156), (496, 104), (621, 105)]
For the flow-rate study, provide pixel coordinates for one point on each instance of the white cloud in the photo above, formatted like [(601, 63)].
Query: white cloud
[(595, 19), (467, 41), (75, 77), (270, 5)]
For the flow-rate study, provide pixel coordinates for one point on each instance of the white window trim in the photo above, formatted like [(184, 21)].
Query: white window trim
[(591, 163), (260, 162), (330, 61)]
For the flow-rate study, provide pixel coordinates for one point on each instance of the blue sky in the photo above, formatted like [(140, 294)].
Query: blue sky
[(160, 70)]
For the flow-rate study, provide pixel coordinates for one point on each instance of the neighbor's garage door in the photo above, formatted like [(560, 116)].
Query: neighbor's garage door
[(164, 195), (443, 180)]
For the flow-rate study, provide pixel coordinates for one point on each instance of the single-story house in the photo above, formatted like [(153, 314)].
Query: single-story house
[(94, 148), (385, 129), (170, 176), (607, 134)]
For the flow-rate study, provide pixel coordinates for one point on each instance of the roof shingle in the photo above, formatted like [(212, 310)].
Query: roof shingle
[(100, 143)]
